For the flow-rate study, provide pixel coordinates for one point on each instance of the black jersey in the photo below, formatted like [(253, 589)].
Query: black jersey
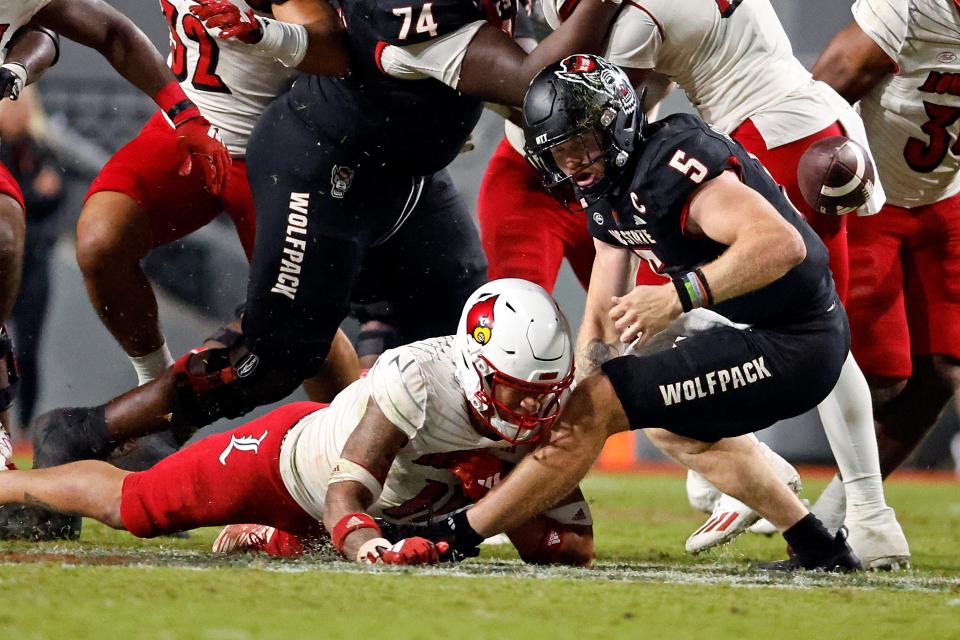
[(647, 212), (415, 126)]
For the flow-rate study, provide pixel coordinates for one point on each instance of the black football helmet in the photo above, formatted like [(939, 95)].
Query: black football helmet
[(581, 95)]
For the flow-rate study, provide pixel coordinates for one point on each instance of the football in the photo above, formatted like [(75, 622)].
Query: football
[(835, 175)]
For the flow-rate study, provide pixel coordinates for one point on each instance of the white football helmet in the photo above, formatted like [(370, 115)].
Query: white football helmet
[(512, 334)]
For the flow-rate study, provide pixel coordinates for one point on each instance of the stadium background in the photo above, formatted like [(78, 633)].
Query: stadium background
[(92, 112)]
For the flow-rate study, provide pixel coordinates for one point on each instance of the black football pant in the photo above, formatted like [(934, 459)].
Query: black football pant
[(327, 212), (727, 381)]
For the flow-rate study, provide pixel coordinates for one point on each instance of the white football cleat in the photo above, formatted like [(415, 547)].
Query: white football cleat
[(877, 538), (701, 495), (730, 517), (762, 527)]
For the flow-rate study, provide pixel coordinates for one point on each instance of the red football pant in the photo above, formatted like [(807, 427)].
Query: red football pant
[(905, 286), (146, 170), (226, 478), (526, 233), (9, 187), (782, 163)]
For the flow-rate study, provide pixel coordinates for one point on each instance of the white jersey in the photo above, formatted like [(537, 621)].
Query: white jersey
[(415, 388), (731, 57), (14, 14), (228, 80), (913, 117)]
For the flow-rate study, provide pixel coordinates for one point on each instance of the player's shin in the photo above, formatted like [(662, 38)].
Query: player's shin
[(89, 488)]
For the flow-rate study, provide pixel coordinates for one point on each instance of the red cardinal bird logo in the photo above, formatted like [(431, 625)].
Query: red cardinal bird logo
[(480, 320)]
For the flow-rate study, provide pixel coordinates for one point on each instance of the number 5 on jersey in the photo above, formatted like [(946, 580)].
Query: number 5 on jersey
[(425, 23), (690, 167)]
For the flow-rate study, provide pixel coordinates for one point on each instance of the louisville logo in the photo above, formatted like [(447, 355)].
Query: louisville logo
[(243, 443), (599, 75), (480, 320)]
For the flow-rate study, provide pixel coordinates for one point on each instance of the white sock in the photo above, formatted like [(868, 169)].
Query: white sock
[(831, 506), (152, 365), (847, 417)]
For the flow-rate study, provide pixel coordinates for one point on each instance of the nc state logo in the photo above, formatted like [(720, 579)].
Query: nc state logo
[(480, 320), (599, 75)]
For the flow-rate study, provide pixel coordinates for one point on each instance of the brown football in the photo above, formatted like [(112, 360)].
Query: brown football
[(835, 175)]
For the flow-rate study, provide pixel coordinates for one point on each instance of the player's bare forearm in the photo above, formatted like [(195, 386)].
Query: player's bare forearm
[(35, 50), (496, 69), (553, 470), (370, 449), (853, 63), (762, 245), (598, 340), (97, 25)]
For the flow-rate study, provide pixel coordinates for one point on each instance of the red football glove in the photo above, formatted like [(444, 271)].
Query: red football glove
[(227, 17), (479, 471), (198, 140), (414, 551)]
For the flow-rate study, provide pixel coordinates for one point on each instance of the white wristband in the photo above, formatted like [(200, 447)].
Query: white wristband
[(349, 471), (368, 552), (284, 41), (20, 72)]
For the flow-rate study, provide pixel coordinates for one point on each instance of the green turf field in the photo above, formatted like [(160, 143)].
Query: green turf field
[(112, 585)]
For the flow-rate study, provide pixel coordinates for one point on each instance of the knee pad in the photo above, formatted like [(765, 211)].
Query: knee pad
[(225, 382)]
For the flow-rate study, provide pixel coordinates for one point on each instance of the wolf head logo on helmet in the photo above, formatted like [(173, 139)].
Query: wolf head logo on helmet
[(599, 75), (480, 320)]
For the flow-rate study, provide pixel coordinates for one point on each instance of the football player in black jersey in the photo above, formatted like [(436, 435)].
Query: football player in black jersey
[(771, 345)]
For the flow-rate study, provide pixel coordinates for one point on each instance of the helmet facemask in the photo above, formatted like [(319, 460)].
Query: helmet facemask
[(579, 96), (509, 424)]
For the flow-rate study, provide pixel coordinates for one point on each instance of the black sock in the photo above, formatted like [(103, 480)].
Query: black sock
[(810, 541), (98, 437)]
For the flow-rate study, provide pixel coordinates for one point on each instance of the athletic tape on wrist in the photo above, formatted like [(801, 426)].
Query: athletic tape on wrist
[(349, 471), (368, 550), (284, 41), (350, 523)]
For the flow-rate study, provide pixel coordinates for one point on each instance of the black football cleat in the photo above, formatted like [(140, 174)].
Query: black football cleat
[(839, 559), (59, 436)]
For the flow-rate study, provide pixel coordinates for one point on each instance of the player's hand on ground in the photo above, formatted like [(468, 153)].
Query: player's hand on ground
[(226, 16), (644, 312), (409, 551), (199, 143)]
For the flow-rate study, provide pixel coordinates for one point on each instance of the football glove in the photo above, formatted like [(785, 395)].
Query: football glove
[(198, 140), (226, 16)]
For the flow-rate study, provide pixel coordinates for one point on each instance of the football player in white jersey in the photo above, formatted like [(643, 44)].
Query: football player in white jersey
[(139, 201), (901, 60), (736, 65), (399, 444)]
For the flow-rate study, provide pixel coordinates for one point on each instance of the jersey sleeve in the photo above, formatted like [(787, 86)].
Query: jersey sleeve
[(682, 162), (635, 39), (439, 58), (885, 22), (402, 23), (398, 386)]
